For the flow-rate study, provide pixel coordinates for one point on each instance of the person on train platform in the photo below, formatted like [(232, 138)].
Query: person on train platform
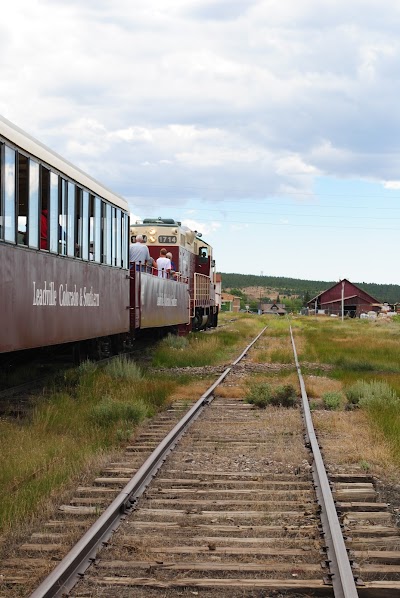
[(139, 254), (163, 264), (173, 275), (169, 256)]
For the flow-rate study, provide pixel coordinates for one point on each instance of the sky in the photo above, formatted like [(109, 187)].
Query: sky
[(270, 126)]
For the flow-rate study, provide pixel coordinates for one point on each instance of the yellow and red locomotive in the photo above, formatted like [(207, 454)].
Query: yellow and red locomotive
[(193, 265)]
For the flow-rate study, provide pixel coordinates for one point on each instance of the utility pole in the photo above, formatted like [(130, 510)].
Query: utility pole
[(343, 283)]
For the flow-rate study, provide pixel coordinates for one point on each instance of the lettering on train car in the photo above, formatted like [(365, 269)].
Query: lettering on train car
[(166, 300), (47, 296)]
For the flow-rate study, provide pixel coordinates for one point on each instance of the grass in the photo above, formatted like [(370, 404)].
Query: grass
[(262, 394), (365, 364), (201, 349), (382, 405), (352, 345), (92, 410)]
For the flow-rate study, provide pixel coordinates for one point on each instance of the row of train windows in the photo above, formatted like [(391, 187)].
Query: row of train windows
[(41, 210)]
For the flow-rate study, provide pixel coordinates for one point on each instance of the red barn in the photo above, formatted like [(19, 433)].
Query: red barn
[(355, 300)]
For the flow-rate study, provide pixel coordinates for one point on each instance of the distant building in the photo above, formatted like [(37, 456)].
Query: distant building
[(273, 308), (355, 300), (230, 302)]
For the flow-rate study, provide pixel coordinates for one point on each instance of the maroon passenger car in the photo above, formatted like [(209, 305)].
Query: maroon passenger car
[(63, 250)]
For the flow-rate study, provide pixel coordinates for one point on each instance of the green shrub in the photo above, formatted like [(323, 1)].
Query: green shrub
[(355, 392), (259, 394), (87, 367), (285, 395), (175, 342), (363, 393), (332, 400), (263, 394), (124, 369), (109, 411)]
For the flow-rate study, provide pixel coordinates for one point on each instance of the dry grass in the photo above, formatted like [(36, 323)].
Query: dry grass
[(316, 386), (348, 440), (231, 391), (193, 388)]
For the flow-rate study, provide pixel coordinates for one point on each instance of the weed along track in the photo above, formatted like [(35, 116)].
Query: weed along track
[(234, 501)]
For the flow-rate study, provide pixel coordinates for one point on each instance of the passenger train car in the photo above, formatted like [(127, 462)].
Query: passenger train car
[(64, 251)]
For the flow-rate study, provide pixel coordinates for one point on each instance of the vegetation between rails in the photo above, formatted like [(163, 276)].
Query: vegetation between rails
[(263, 394)]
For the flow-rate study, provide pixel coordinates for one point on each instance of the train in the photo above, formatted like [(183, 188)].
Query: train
[(64, 260)]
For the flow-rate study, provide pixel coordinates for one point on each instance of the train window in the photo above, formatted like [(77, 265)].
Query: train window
[(9, 194), (62, 221), (203, 255), (78, 222), (113, 236), (103, 233), (33, 220), (96, 229), (44, 176), (125, 233), (108, 235), (118, 240), (53, 203), (85, 226), (125, 242), (22, 182), (70, 219)]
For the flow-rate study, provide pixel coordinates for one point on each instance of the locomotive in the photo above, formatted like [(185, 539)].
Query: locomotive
[(193, 264), (64, 259)]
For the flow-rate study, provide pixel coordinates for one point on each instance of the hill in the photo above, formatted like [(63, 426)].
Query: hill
[(292, 287)]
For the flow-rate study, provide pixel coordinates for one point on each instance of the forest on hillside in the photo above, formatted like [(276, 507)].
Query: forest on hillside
[(389, 293)]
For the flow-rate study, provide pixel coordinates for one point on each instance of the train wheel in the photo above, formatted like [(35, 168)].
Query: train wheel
[(197, 320)]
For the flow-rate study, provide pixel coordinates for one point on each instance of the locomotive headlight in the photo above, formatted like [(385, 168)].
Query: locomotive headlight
[(152, 231), (152, 239)]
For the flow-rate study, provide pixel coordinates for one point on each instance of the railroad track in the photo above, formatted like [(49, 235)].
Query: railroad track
[(241, 507)]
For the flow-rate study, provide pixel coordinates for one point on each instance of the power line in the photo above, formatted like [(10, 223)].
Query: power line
[(347, 216), (288, 224)]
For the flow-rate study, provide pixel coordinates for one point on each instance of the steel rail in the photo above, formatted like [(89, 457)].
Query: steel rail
[(342, 576), (82, 555)]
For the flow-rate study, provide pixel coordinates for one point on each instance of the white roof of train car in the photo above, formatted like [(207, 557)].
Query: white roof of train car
[(23, 140)]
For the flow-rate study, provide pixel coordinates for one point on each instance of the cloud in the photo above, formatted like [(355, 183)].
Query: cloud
[(205, 228), (204, 99), (391, 185)]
